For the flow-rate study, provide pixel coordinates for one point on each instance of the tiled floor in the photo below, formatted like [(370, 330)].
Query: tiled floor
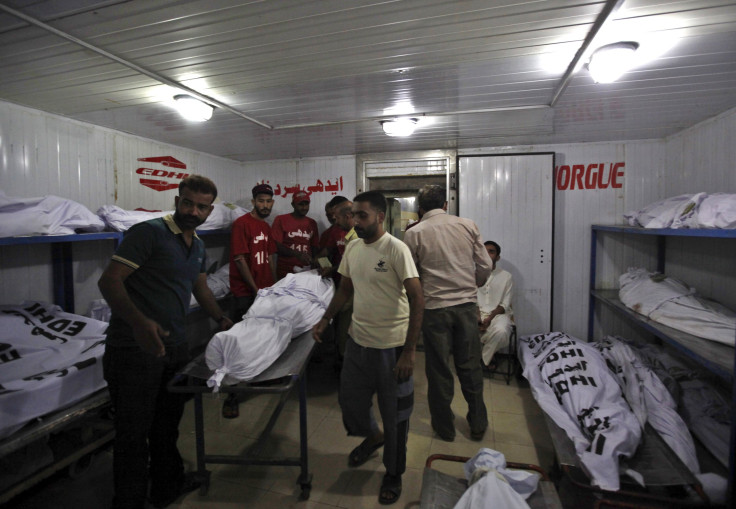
[(516, 429)]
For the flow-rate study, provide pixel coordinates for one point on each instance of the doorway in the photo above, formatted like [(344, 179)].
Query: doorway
[(511, 199)]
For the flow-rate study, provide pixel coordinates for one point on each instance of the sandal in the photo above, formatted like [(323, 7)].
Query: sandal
[(390, 489), (230, 406), (360, 454)]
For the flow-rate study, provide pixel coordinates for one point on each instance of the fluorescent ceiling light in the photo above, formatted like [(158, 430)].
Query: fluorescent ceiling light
[(193, 109), (400, 126), (608, 63)]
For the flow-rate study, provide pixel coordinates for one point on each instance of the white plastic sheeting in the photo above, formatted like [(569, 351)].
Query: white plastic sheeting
[(492, 485), (700, 210), (572, 384), (280, 312), (117, 219), (47, 215), (672, 303), (218, 282), (649, 399), (662, 213), (50, 359)]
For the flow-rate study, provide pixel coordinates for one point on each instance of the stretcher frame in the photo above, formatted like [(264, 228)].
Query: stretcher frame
[(442, 491), (286, 373), (654, 460)]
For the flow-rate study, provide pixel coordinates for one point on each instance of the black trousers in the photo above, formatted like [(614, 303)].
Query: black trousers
[(146, 423)]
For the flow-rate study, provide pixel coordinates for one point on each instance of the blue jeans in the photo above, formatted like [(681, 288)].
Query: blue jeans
[(146, 423)]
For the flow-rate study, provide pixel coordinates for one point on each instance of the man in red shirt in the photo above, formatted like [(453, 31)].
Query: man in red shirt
[(296, 236), (334, 248), (329, 213), (334, 238), (252, 264)]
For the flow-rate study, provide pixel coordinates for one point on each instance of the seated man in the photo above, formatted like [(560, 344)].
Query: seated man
[(494, 304)]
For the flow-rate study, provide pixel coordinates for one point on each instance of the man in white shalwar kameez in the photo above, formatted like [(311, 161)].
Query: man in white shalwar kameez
[(494, 304)]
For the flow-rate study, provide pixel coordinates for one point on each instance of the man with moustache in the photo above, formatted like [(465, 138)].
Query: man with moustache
[(296, 236), (148, 285), (379, 273), (252, 264)]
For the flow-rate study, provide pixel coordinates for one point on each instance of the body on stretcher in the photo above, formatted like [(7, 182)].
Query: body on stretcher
[(288, 372), (654, 460)]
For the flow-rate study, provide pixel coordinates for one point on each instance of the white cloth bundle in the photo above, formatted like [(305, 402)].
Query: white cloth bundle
[(701, 210), (662, 213), (570, 381), (491, 484), (716, 210), (218, 282), (279, 313), (649, 399), (50, 359), (48, 215), (672, 303), (119, 220)]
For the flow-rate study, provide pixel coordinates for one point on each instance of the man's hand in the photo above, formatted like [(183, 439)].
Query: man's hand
[(405, 364), (319, 329), (225, 323), (484, 324), (304, 258), (149, 336)]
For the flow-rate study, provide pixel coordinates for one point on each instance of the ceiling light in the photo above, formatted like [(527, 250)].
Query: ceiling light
[(193, 109), (609, 62), (400, 126)]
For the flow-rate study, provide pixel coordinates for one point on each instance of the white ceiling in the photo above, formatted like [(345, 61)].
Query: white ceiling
[(339, 65)]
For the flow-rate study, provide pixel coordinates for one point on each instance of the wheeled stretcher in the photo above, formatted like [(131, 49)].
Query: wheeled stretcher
[(284, 375)]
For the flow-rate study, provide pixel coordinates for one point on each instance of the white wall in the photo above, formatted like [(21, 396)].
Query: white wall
[(46, 154), (698, 159), (42, 154), (577, 209), (703, 158)]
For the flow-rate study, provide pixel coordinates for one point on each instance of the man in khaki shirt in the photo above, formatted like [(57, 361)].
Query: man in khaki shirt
[(452, 264)]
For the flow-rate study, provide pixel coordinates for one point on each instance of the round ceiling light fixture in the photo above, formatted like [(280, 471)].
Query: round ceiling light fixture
[(404, 126), (608, 63), (193, 109)]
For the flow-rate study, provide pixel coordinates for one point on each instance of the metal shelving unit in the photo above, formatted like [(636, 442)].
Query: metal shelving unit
[(717, 358), (62, 259), (82, 415)]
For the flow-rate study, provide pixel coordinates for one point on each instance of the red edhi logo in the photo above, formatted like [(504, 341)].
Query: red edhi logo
[(162, 185)]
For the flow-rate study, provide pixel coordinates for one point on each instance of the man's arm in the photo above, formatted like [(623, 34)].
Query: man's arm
[(245, 273), (207, 300), (483, 262), (283, 250), (272, 265), (146, 332), (343, 293), (405, 364)]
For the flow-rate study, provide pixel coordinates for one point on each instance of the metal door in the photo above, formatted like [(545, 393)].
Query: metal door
[(511, 198)]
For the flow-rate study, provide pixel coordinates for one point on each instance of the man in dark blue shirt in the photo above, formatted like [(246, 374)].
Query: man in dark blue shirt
[(148, 285)]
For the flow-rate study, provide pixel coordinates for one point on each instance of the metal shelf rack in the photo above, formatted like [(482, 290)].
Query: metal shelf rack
[(717, 358)]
